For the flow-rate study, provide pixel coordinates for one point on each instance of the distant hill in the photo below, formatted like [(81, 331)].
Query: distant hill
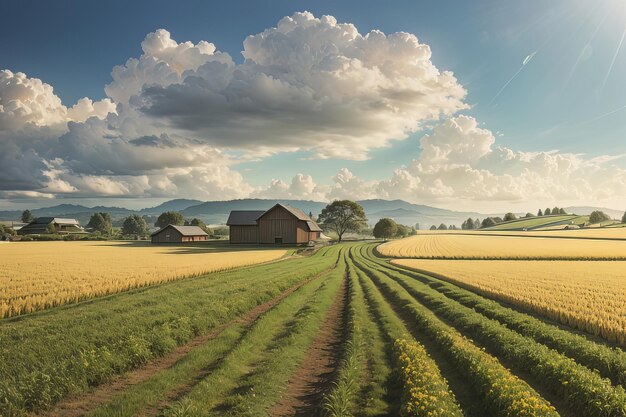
[(178, 204)]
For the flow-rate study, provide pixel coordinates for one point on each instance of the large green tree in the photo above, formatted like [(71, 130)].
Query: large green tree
[(27, 216), (342, 216), (598, 217), (385, 228), (101, 222), (510, 217), (170, 217), (134, 225)]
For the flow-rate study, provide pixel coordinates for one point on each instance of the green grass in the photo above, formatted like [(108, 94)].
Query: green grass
[(250, 378), (48, 355), (539, 221)]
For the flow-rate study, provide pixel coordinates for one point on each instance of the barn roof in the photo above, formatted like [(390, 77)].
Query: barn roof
[(40, 224), (244, 217), (184, 230), (313, 227)]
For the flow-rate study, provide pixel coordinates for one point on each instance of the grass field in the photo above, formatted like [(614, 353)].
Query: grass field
[(541, 221), (39, 275), (484, 246), (342, 332)]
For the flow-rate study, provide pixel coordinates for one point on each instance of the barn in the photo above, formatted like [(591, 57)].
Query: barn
[(42, 225), (179, 234), (282, 224)]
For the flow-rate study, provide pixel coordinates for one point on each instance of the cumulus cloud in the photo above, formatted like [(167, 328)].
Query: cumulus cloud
[(174, 116), (308, 83)]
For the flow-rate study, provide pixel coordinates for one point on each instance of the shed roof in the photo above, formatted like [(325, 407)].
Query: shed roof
[(300, 215), (244, 217), (313, 227), (184, 230)]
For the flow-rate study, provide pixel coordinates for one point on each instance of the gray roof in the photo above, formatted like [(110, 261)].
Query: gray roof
[(244, 217), (300, 215), (184, 230), (313, 227)]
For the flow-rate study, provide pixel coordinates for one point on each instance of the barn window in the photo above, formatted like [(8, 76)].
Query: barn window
[(278, 240)]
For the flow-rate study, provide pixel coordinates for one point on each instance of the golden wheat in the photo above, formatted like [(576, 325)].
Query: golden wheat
[(481, 246), (589, 296), (39, 275)]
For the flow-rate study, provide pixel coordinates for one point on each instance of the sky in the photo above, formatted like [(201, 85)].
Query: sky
[(485, 105)]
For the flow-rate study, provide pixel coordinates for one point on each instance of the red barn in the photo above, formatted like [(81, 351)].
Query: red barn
[(279, 225)]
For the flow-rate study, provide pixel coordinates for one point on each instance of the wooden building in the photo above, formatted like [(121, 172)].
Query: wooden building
[(43, 225), (279, 225), (179, 234)]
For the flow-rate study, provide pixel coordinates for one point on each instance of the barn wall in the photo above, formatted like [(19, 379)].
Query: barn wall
[(278, 222), (162, 237), (244, 234)]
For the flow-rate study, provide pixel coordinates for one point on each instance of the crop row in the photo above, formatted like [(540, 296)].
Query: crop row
[(582, 387), (609, 361), (501, 392)]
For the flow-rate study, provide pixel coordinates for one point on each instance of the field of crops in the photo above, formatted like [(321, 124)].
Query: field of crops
[(340, 333), (540, 221), (38, 275), (589, 296), (482, 246)]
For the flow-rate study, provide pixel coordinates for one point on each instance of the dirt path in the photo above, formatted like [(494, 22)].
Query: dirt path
[(87, 402), (318, 370)]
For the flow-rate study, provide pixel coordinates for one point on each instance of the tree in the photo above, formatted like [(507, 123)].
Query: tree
[(134, 225), (27, 216), (529, 215), (598, 217), (452, 227), (509, 217), (556, 210), (343, 216), (442, 227), (199, 223), (476, 224), (403, 231), (468, 224), (539, 213), (433, 227), (624, 218), (547, 212), (385, 228), (487, 222), (562, 211), (170, 217), (51, 229), (101, 222)]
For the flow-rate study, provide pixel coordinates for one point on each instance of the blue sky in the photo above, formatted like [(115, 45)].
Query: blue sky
[(561, 99)]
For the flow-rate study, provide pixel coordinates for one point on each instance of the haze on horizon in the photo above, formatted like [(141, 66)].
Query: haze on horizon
[(486, 107)]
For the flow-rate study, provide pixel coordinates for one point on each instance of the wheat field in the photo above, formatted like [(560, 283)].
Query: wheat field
[(38, 275), (589, 296), (482, 246)]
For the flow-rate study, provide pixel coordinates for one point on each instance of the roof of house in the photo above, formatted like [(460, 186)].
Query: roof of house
[(313, 227), (244, 217), (40, 224), (300, 215), (184, 230)]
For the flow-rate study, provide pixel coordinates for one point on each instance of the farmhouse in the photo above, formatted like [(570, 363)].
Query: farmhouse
[(179, 234), (281, 224), (42, 225)]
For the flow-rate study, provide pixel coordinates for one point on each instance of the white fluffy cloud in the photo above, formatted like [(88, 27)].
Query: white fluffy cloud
[(174, 115)]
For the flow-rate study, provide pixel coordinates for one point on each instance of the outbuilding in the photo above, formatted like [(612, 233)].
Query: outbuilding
[(42, 225), (179, 234), (281, 224)]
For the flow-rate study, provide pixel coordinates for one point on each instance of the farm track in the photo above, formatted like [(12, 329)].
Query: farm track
[(83, 404), (317, 372)]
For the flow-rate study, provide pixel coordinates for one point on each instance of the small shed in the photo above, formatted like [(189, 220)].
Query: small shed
[(179, 234)]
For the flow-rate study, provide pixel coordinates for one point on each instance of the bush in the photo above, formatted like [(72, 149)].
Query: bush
[(598, 217)]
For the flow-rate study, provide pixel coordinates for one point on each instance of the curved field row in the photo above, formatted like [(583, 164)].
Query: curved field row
[(478, 246), (590, 296), (40, 275)]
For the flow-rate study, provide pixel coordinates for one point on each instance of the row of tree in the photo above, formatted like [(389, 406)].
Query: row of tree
[(554, 211)]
